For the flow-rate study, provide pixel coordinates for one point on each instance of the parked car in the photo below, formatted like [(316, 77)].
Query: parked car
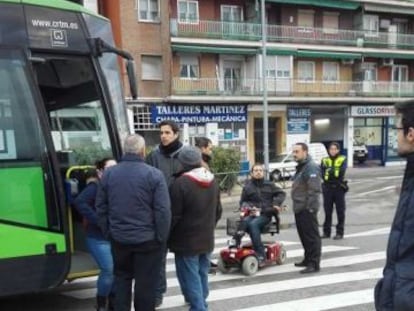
[(360, 153), (283, 166)]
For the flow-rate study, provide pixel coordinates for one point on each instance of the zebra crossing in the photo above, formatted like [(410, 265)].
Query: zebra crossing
[(346, 280)]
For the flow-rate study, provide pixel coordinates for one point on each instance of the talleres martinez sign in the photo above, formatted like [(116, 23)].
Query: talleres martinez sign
[(199, 113)]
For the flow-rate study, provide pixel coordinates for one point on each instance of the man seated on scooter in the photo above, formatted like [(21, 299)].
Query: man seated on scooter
[(264, 200)]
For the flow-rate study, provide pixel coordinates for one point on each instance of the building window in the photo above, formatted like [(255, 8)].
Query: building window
[(151, 67), (306, 18), (231, 13), (330, 72), (187, 11), (330, 22), (142, 119), (306, 71), (189, 68), (371, 25), (149, 10)]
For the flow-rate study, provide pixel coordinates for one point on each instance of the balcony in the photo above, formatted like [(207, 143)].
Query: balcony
[(290, 34), (290, 87)]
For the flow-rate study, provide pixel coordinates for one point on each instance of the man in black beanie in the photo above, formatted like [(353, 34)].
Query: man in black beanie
[(195, 210)]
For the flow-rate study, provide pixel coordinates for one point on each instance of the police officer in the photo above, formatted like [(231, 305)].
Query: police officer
[(305, 193), (334, 186)]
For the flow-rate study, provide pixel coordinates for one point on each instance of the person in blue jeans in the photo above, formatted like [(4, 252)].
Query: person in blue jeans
[(264, 200), (195, 208), (98, 246)]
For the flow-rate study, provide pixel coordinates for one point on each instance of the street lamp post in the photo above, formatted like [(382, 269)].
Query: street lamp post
[(264, 88)]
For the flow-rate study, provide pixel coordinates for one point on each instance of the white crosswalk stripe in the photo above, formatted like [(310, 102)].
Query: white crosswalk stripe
[(346, 268), (319, 303)]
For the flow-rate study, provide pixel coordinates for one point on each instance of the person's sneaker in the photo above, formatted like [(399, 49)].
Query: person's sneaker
[(325, 236), (262, 262), (338, 237), (232, 243)]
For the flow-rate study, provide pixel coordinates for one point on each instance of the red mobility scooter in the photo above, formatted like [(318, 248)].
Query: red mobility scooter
[(242, 255)]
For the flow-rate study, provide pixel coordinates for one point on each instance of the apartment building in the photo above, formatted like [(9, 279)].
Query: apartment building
[(332, 70)]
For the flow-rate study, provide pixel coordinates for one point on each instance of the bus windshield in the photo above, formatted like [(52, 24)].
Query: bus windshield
[(73, 100)]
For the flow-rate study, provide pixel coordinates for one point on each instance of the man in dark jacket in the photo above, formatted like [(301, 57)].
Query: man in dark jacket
[(394, 292), (165, 155), (195, 211), (165, 158), (133, 208), (262, 196), (333, 170), (306, 190)]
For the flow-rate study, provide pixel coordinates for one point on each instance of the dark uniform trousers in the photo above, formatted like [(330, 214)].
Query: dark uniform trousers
[(307, 226), (333, 194)]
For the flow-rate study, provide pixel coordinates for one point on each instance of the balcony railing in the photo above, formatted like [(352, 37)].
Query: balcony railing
[(291, 87), (292, 34)]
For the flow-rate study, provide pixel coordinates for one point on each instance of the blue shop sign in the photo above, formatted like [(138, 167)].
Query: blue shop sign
[(298, 127), (199, 113), (298, 120)]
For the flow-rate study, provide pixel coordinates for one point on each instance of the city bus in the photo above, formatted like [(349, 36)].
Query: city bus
[(61, 105)]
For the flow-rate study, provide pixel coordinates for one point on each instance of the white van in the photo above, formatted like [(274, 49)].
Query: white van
[(317, 151), (284, 166)]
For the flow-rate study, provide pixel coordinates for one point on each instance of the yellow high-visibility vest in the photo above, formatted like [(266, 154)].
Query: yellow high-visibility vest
[(335, 165)]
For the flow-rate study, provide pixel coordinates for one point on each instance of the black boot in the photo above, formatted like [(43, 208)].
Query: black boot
[(111, 302), (101, 303)]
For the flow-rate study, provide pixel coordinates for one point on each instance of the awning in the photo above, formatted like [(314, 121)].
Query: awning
[(324, 54), (272, 51), (389, 9), (212, 49), (347, 5), (390, 55)]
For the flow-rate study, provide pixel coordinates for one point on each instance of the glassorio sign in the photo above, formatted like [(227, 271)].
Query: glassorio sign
[(199, 113), (372, 111)]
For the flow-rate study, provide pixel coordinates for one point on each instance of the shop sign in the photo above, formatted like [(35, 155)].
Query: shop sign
[(199, 113), (372, 111), (298, 120)]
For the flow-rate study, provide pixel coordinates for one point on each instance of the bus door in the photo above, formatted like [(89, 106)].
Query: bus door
[(33, 252), (79, 122)]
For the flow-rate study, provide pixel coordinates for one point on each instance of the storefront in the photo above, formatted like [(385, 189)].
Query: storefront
[(373, 127)]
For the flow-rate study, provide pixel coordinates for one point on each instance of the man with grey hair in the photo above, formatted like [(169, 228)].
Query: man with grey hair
[(133, 207)]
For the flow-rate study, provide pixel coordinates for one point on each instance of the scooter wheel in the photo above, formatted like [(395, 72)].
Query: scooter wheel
[(282, 256), (222, 267), (250, 265)]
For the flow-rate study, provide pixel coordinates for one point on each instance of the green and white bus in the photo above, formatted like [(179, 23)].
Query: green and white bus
[(61, 104)]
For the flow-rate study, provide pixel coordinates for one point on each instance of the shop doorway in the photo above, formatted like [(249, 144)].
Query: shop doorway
[(370, 132), (258, 139)]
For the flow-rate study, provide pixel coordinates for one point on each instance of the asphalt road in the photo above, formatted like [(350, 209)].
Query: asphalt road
[(349, 268)]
